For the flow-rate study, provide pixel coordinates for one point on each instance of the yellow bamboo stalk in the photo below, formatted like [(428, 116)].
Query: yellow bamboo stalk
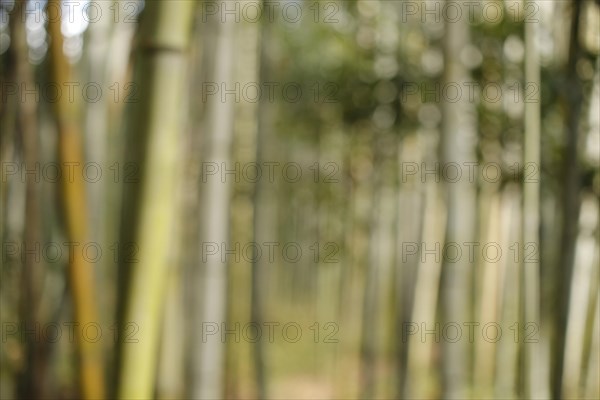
[(81, 274)]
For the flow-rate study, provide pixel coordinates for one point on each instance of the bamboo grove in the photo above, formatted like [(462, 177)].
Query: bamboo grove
[(298, 199)]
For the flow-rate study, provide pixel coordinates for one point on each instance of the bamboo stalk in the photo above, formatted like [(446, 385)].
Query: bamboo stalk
[(571, 201), (531, 213), (459, 140), (74, 192), (239, 280), (215, 196), (154, 139), (27, 125)]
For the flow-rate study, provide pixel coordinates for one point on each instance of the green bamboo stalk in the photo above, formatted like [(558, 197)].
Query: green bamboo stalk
[(571, 200), (154, 141), (531, 212), (459, 139), (248, 39)]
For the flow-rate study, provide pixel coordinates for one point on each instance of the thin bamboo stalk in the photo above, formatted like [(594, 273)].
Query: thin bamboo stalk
[(211, 277), (27, 125), (571, 201), (531, 212), (81, 273), (459, 139)]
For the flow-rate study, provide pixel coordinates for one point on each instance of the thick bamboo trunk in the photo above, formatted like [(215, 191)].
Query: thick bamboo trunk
[(150, 210)]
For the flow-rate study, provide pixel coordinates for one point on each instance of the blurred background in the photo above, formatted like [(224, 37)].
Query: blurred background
[(300, 199)]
